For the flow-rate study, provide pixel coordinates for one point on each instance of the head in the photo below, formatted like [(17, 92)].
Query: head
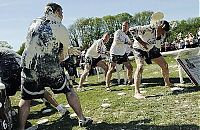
[(106, 37), (125, 26), (54, 8), (163, 26)]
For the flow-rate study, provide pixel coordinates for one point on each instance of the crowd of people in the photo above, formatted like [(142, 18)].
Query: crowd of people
[(47, 54), (182, 42)]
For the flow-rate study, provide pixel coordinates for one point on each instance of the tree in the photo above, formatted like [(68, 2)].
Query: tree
[(142, 18), (5, 44), (21, 49)]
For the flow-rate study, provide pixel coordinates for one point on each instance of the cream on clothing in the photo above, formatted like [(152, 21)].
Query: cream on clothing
[(47, 41), (119, 45), (97, 49), (147, 33)]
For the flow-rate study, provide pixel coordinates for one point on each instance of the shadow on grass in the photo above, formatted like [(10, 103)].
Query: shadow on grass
[(67, 123), (64, 123), (160, 81), (138, 125), (39, 114), (187, 90), (35, 102), (152, 82)]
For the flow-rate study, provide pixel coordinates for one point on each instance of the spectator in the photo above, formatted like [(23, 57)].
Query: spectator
[(198, 36)]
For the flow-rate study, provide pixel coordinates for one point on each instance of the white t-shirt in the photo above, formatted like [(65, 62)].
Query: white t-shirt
[(96, 49), (147, 33), (118, 46)]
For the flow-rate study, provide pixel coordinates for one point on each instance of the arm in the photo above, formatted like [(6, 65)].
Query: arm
[(135, 33), (65, 41)]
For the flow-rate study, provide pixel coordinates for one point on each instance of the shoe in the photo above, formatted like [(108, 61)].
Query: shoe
[(85, 122), (108, 89), (139, 96), (80, 89)]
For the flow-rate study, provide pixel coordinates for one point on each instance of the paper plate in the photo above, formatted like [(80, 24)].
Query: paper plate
[(177, 89), (46, 111), (122, 93), (105, 105), (157, 16), (73, 115)]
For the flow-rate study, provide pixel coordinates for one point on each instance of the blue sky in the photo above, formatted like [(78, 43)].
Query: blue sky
[(16, 15)]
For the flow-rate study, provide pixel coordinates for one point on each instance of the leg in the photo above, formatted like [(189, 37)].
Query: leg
[(164, 69), (74, 102), (137, 77), (125, 76), (84, 74), (52, 101), (24, 109), (104, 66), (109, 74), (130, 70), (97, 69), (118, 68)]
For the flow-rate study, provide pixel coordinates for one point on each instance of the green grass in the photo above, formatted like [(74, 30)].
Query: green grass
[(162, 110)]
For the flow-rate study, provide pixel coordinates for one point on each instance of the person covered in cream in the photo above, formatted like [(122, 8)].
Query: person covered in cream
[(46, 46)]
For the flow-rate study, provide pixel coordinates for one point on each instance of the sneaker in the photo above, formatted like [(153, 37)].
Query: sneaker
[(108, 89), (85, 122)]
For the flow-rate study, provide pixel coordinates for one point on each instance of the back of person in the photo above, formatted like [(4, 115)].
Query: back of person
[(10, 70), (9, 84), (44, 42)]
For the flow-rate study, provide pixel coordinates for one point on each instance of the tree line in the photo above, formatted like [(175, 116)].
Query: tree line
[(85, 30)]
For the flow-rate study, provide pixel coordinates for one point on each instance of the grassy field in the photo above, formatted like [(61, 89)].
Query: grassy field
[(161, 110)]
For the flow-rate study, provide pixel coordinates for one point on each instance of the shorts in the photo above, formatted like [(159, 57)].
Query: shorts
[(92, 61), (148, 56), (34, 83), (118, 59)]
